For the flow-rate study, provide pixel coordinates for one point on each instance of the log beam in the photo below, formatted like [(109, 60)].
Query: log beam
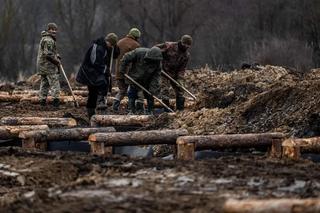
[(121, 120), (202, 142), (272, 205), (135, 138), (51, 122), (39, 138), (292, 148), (12, 132)]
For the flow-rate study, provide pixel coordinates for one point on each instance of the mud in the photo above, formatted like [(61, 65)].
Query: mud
[(69, 182)]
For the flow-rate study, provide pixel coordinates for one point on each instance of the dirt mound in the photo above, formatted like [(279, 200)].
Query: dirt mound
[(270, 99)]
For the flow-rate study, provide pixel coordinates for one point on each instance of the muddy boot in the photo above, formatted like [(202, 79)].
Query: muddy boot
[(56, 102), (180, 103), (116, 105), (43, 102), (139, 108), (101, 103), (150, 107), (131, 106), (166, 102), (91, 112)]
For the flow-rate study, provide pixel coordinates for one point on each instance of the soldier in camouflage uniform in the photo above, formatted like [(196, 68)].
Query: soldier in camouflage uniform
[(145, 69), (175, 59), (48, 62), (126, 44)]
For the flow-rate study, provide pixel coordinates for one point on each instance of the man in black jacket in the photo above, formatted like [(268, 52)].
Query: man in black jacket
[(94, 71)]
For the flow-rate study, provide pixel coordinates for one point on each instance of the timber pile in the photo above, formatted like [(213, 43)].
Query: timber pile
[(121, 120), (12, 132), (187, 145), (272, 205), (38, 139), (100, 141), (51, 122)]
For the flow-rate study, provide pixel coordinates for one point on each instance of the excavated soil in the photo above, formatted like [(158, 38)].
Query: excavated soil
[(243, 101)]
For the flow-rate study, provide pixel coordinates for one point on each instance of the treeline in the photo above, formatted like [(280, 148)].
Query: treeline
[(226, 33)]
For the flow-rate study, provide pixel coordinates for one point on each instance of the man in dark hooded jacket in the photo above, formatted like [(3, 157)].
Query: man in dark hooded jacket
[(145, 69), (94, 71)]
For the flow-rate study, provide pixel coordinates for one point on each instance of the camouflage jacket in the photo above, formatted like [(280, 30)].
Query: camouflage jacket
[(143, 71), (47, 59), (125, 45), (174, 60)]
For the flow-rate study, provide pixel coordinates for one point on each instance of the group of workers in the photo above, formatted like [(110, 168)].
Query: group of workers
[(138, 70)]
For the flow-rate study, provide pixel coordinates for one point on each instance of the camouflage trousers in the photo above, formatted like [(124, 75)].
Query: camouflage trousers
[(47, 82), (165, 87)]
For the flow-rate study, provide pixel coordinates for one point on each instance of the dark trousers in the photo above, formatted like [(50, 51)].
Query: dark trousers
[(94, 92)]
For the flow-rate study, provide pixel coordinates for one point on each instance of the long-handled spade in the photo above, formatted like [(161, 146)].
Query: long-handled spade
[(144, 89), (76, 104)]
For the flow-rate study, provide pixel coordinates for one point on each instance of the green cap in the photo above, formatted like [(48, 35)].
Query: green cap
[(52, 26), (186, 39), (135, 32), (112, 38)]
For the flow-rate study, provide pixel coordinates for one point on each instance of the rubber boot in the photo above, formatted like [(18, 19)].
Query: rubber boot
[(56, 102), (180, 103), (150, 107), (91, 112), (139, 108), (43, 102), (116, 105), (131, 106), (166, 102)]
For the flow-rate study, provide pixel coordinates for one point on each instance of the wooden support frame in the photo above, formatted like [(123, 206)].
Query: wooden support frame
[(100, 141), (187, 145)]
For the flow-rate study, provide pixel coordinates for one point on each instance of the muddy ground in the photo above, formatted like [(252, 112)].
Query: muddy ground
[(244, 101), (69, 182)]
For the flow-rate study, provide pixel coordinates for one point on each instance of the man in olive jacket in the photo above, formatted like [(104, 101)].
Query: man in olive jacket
[(146, 70), (94, 71), (126, 44), (175, 59), (48, 62)]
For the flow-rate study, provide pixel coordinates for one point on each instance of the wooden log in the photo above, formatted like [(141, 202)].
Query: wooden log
[(202, 142), (39, 139), (185, 151), (63, 99), (135, 138), (51, 122), (121, 120), (10, 98), (276, 148), (26, 92), (232, 141), (292, 148), (272, 205), (4, 93), (63, 134), (12, 132)]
